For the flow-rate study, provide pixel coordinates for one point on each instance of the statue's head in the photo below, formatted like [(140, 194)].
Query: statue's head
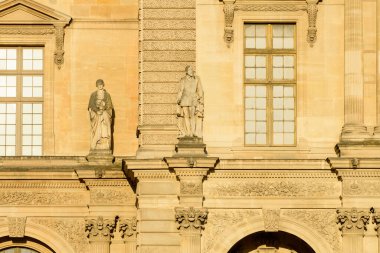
[(189, 70), (100, 84)]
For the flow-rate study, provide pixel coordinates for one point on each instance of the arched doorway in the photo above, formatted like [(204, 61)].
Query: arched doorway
[(265, 242), (23, 245), (18, 250)]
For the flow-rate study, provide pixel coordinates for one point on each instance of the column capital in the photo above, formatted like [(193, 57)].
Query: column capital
[(191, 219), (376, 221), (128, 227), (352, 221), (100, 229)]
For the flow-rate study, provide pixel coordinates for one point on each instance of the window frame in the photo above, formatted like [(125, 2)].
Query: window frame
[(19, 99), (269, 83)]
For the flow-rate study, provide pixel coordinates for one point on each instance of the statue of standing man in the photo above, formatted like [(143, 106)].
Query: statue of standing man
[(191, 105), (100, 109)]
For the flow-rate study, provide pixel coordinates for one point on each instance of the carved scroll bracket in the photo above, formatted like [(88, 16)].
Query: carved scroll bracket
[(59, 43), (230, 6)]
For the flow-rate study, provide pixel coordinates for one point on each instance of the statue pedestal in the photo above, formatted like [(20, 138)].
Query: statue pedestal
[(100, 156), (190, 147)]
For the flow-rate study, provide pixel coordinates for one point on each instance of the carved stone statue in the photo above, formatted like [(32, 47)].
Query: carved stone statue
[(100, 109), (190, 105)]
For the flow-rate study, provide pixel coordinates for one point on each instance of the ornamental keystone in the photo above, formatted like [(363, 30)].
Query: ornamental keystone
[(352, 221), (191, 219)]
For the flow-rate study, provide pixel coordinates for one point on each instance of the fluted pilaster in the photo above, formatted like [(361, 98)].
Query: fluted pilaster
[(353, 129), (352, 224), (190, 222), (99, 232)]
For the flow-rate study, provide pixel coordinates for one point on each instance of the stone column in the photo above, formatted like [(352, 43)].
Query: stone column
[(353, 129), (127, 227), (377, 128), (99, 232), (376, 221), (190, 222), (352, 224)]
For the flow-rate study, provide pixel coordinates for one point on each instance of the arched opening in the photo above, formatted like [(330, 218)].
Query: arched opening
[(268, 242), (23, 245)]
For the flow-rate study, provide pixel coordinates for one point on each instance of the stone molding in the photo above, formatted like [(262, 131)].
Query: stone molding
[(52, 21), (4, 184), (42, 198), (269, 175), (271, 220), (16, 227), (352, 221), (100, 229), (191, 219), (230, 6), (128, 227)]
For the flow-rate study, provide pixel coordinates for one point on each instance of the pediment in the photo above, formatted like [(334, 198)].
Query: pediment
[(21, 12)]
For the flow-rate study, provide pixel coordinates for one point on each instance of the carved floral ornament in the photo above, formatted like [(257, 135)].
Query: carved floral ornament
[(352, 221), (35, 19), (230, 6), (191, 219), (128, 227)]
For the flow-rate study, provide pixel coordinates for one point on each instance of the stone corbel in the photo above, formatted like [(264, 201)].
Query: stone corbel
[(59, 42), (230, 6)]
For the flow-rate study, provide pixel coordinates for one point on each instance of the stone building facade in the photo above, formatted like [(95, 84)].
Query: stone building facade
[(290, 155)]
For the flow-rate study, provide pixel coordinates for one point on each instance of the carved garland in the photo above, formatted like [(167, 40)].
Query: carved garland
[(100, 229), (230, 7)]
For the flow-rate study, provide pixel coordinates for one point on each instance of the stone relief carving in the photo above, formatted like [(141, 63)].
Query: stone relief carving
[(70, 229), (272, 188), (219, 222), (322, 221), (127, 227), (101, 111), (190, 105), (100, 229), (230, 7), (271, 219), (191, 219), (108, 196), (191, 187), (352, 221), (361, 187), (16, 227), (42, 198)]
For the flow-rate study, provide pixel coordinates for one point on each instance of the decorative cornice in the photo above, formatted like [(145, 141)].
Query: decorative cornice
[(106, 183), (190, 219), (275, 175), (4, 184), (100, 229), (230, 6), (352, 221), (128, 227), (191, 162), (154, 174)]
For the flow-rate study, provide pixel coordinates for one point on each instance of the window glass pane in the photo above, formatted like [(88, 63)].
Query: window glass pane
[(261, 30), (250, 114), (3, 53), (289, 103), (249, 103), (250, 126), (37, 150), (261, 115), (27, 129), (289, 126), (3, 64), (250, 61), (27, 54), (250, 91), (249, 43), (27, 108), (261, 139), (278, 126), (250, 73), (289, 115), (278, 30), (288, 73), (27, 140), (288, 91), (261, 103), (278, 138), (278, 61), (278, 115), (288, 30), (37, 53), (27, 65), (278, 73), (261, 73), (261, 43), (27, 150), (11, 118), (11, 65), (288, 138), (261, 91), (278, 91), (10, 150), (261, 61), (250, 138), (250, 30), (288, 61), (278, 103), (37, 108), (11, 108), (37, 64), (261, 127), (288, 43)]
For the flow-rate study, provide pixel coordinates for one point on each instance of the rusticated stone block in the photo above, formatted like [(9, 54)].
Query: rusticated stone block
[(168, 45), (160, 98), (169, 35), (168, 24), (168, 56), (159, 119), (166, 66), (161, 77), (179, 14), (169, 4), (160, 87), (159, 109)]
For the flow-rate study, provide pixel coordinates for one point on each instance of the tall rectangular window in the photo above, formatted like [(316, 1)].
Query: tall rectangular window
[(21, 100), (270, 84)]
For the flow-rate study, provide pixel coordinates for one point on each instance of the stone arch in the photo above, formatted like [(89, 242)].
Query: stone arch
[(227, 239), (43, 234)]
